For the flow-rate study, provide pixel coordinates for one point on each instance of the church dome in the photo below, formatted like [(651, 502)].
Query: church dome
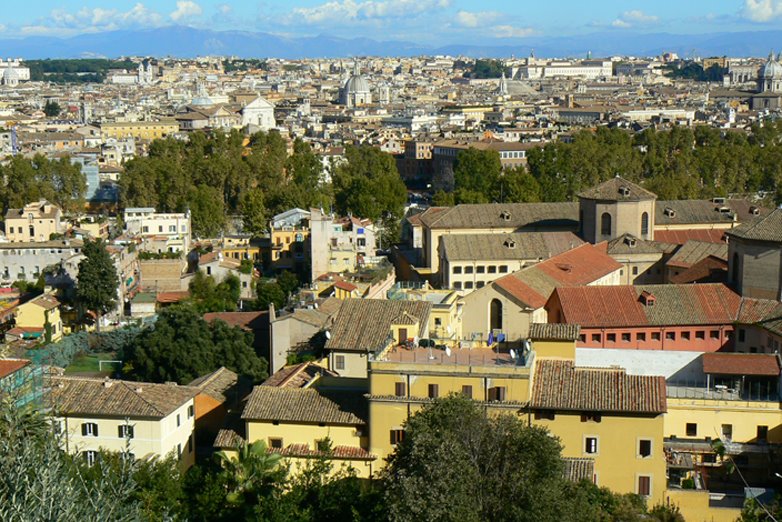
[(356, 84), (772, 69), (10, 74)]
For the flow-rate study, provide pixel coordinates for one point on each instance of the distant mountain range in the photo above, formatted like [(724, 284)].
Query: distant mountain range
[(180, 41)]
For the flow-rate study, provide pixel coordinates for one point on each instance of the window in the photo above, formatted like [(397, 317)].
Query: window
[(495, 314), (179, 451), (457, 270), (762, 433), (644, 448), (178, 421), (544, 415), (685, 336), (190, 411), (480, 269), (582, 338), (125, 431), (644, 224), (457, 285), (714, 334), (590, 445), (700, 335), (90, 456), (468, 270), (503, 269), (591, 417), (595, 338), (644, 485), (492, 269), (397, 436), (691, 429), (497, 394), (727, 431), (611, 338), (160, 228), (655, 336), (467, 391), (190, 444), (605, 224), (434, 391), (635, 270), (89, 429), (339, 362), (468, 285), (670, 336), (640, 337), (400, 390), (172, 228), (742, 335), (275, 442), (626, 337)]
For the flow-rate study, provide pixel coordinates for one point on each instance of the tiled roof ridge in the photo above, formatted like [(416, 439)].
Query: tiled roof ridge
[(140, 396)]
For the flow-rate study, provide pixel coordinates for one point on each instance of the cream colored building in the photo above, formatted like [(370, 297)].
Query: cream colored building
[(145, 419), (35, 222), (159, 231), (144, 130)]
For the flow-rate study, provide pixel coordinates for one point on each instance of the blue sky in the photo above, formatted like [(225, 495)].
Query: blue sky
[(424, 21)]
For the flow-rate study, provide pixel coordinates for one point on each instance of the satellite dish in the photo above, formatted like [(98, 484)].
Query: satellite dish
[(448, 351), (328, 334), (513, 353)]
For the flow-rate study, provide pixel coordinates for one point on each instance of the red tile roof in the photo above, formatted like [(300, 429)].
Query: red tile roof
[(172, 297), (9, 366), (559, 385), (337, 452), (344, 285), (247, 321), (708, 270), (760, 364), (621, 306), (712, 235)]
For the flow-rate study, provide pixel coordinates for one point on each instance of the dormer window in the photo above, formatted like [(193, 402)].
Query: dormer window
[(647, 298), (669, 212), (630, 241), (505, 215), (754, 211), (509, 243), (624, 191), (723, 209)]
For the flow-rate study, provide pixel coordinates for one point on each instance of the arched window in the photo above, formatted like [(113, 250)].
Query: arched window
[(605, 224), (495, 314), (735, 268), (645, 224)]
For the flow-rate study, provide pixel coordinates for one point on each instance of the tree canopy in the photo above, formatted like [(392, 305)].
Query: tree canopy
[(96, 289), (182, 346), (24, 180), (209, 296)]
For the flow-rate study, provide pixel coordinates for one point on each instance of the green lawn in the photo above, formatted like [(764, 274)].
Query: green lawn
[(88, 364)]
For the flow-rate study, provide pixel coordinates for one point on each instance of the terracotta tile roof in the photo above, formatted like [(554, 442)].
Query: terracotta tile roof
[(519, 245), (545, 216), (559, 385), (679, 237), (9, 366), (693, 251), (337, 452), (215, 384), (297, 375), (759, 364), (80, 395), (228, 439), (344, 285), (554, 332), (364, 325), (172, 297), (766, 228), (617, 189), (708, 270), (621, 306), (764, 313), (247, 321), (305, 405), (578, 469), (45, 301)]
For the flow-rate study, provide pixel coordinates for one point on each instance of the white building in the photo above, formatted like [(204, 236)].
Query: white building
[(535, 69), (340, 244), (12, 72), (259, 113), (168, 232)]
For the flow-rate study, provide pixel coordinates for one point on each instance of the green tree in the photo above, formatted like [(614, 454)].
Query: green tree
[(182, 346), (476, 174), (207, 210), (209, 296), (456, 463), (52, 109), (254, 216), (255, 475), (269, 292), (96, 289)]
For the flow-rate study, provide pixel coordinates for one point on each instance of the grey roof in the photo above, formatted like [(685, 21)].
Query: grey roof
[(305, 405), (766, 228), (217, 383), (617, 189), (532, 216), (693, 251), (554, 332), (629, 244), (86, 396), (363, 325), (516, 246), (694, 211)]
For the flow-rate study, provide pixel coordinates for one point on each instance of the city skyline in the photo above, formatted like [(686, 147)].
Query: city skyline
[(431, 22)]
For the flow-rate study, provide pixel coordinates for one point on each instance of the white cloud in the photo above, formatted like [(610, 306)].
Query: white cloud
[(476, 19), (634, 18), (224, 9), (186, 10), (762, 10), (85, 20), (509, 31), (353, 10)]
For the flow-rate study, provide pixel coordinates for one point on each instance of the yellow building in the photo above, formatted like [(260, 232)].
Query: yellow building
[(289, 249), (147, 420), (35, 222), (37, 319), (306, 423), (142, 130), (445, 319)]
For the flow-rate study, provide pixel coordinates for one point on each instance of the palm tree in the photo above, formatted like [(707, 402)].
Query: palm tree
[(254, 472)]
